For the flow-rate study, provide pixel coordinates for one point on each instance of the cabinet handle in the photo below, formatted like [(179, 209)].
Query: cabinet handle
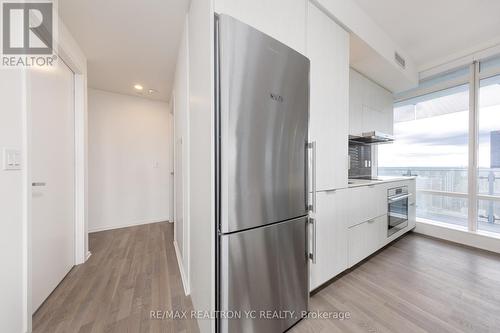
[(312, 254), (312, 146)]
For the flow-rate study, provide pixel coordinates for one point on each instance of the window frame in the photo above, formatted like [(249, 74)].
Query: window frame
[(472, 78)]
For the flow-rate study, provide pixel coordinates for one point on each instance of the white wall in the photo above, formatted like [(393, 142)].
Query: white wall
[(201, 159), (180, 106), (12, 248), (129, 160), (15, 186)]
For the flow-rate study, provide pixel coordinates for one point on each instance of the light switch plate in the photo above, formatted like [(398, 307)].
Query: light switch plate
[(11, 159)]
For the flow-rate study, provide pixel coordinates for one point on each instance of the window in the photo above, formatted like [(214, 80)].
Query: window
[(488, 173), (431, 127), (431, 134)]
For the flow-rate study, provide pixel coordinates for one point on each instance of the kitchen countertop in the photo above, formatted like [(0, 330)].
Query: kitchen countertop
[(380, 180)]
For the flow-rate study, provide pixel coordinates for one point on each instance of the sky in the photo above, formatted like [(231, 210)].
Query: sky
[(442, 140)]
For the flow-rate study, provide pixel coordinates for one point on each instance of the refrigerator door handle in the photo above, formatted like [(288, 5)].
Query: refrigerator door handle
[(312, 146), (312, 254)]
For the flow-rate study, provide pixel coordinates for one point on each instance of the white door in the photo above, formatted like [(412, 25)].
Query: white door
[(53, 177)]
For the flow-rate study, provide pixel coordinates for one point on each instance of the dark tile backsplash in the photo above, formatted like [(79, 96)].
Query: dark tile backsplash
[(360, 161)]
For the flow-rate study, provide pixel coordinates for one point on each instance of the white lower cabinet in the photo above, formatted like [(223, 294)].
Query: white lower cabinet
[(331, 237), (366, 203), (366, 238), (349, 225)]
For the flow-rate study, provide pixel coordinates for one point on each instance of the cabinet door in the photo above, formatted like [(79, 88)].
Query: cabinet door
[(355, 103), (331, 237), (377, 108), (370, 106), (328, 51), (366, 238)]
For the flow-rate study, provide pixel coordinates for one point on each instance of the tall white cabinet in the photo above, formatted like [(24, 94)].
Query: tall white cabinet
[(328, 50)]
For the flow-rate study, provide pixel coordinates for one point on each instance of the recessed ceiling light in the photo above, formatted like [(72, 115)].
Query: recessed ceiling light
[(151, 91), (138, 87)]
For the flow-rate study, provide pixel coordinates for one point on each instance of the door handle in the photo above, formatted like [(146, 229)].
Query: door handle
[(399, 198), (312, 254), (38, 184), (312, 146)]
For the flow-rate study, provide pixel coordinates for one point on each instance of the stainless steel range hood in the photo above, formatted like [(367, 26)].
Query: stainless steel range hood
[(371, 138)]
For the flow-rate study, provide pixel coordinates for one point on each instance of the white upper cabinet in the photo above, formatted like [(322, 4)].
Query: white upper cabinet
[(328, 51), (370, 106), (284, 20)]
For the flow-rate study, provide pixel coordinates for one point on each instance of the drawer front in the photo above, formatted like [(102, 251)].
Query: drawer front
[(366, 238), (366, 203)]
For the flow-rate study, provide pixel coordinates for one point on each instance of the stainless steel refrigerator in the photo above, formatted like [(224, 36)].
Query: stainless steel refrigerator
[(262, 114)]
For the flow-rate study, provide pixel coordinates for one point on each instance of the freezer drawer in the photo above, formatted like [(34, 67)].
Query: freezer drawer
[(264, 269), (264, 112)]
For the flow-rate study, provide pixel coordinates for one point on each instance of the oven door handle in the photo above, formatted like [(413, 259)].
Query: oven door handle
[(401, 197)]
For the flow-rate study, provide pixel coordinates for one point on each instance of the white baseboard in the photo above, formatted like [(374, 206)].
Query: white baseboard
[(481, 240), (126, 225), (181, 269), (87, 256)]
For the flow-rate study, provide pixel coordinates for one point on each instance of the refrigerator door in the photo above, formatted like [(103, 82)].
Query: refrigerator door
[(264, 269), (264, 113)]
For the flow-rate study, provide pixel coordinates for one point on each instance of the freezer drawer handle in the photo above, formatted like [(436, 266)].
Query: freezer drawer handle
[(312, 146), (312, 255)]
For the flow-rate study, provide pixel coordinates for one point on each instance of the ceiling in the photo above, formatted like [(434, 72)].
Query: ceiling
[(431, 31), (128, 42)]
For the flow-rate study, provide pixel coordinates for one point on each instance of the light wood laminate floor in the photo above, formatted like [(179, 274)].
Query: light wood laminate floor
[(417, 284), (131, 272)]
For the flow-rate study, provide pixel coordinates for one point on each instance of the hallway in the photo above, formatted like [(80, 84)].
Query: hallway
[(131, 272)]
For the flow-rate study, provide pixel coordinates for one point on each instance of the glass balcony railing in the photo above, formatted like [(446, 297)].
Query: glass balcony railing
[(442, 195)]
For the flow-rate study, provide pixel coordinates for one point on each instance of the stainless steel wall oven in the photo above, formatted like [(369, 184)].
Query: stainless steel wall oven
[(397, 209)]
